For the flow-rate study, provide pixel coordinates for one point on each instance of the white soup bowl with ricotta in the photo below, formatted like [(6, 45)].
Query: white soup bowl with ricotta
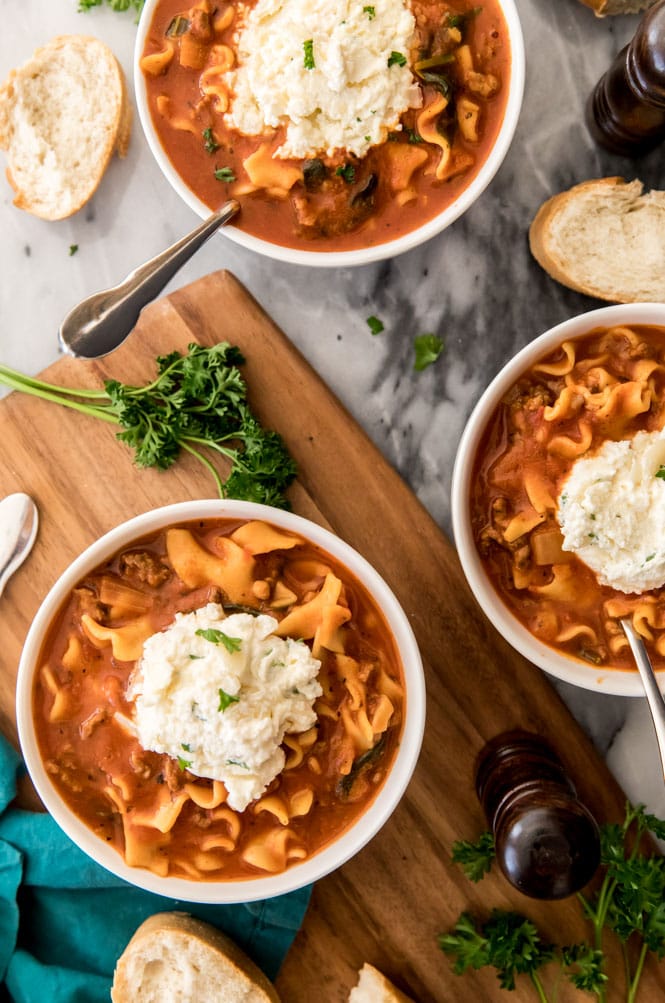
[(347, 132), (558, 497), (178, 687)]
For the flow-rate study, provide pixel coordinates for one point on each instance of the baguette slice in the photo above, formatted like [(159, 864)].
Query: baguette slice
[(603, 7), (62, 115), (373, 987), (604, 238), (174, 958)]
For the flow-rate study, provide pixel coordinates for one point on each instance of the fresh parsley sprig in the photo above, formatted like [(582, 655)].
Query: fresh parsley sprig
[(629, 902), (475, 859), (506, 941), (197, 402)]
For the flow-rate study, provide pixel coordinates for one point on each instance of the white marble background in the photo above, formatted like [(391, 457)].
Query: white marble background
[(475, 285)]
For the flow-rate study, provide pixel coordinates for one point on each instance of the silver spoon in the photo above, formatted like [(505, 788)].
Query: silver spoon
[(102, 321), (18, 528), (654, 697)]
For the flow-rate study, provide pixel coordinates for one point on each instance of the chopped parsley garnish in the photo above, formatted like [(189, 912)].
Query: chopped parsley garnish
[(348, 172), (183, 763), (660, 473), (414, 137), (73, 248), (592, 536), (308, 50), (209, 142), (185, 746), (232, 644), (194, 657), (225, 174), (428, 348), (237, 762), (649, 558), (396, 59), (226, 699), (370, 11), (375, 325)]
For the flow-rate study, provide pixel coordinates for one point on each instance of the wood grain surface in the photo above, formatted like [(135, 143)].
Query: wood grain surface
[(388, 904)]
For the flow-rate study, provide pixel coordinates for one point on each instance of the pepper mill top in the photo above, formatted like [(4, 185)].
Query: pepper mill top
[(626, 110), (546, 841)]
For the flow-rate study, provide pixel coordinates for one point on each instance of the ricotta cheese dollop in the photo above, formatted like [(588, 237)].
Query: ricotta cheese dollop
[(219, 693), (612, 512), (335, 73)]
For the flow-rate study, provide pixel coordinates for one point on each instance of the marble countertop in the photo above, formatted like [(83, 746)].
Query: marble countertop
[(476, 285)]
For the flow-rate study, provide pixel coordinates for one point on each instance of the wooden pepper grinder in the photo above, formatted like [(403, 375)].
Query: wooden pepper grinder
[(626, 110), (546, 841)]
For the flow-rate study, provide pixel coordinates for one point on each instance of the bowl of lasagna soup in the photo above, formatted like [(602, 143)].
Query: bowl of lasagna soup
[(220, 701), (348, 132), (558, 497)]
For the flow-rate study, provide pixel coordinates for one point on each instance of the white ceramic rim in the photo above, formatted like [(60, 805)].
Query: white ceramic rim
[(362, 256), (569, 670), (299, 874)]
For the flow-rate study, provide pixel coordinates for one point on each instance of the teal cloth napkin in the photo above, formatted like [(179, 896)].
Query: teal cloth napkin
[(64, 920)]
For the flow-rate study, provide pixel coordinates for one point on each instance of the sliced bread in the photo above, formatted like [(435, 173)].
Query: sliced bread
[(373, 987), (603, 7), (62, 115), (174, 958), (604, 238)]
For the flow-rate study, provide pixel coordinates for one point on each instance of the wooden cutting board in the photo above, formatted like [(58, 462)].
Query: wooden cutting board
[(388, 904)]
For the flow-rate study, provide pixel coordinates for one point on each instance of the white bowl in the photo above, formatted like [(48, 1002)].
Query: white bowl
[(298, 874), (569, 670), (336, 259)]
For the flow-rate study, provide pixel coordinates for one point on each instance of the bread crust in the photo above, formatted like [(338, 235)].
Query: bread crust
[(628, 228), (229, 959), (40, 168), (374, 987)]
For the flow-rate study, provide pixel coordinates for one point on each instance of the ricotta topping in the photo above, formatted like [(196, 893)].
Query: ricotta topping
[(334, 72), (219, 693), (612, 512)]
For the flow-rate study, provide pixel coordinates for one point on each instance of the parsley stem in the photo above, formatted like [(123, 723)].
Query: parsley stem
[(634, 983), (206, 463), (539, 987), (39, 390), (18, 381)]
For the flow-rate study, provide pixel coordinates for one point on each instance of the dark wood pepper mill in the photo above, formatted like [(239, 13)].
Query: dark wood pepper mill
[(626, 110), (546, 841)]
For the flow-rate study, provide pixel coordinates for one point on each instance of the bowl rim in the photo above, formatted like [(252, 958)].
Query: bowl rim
[(359, 256), (617, 682), (331, 856)]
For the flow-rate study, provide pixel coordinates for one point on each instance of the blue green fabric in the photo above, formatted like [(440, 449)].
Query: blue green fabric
[(64, 921)]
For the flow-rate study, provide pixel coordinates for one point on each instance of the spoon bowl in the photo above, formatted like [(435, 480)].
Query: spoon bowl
[(101, 322), (19, 521)]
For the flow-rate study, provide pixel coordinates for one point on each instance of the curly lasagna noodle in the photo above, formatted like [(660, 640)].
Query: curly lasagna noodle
[(578, 445), (219, 700), (338, 124)]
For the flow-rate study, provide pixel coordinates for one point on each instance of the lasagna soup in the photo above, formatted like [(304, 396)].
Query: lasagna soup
[(336, 124), (578, 444), (219, 701)]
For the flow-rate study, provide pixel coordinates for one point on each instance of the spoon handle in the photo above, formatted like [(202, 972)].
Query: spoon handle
[(102, 321), (653, 694)]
